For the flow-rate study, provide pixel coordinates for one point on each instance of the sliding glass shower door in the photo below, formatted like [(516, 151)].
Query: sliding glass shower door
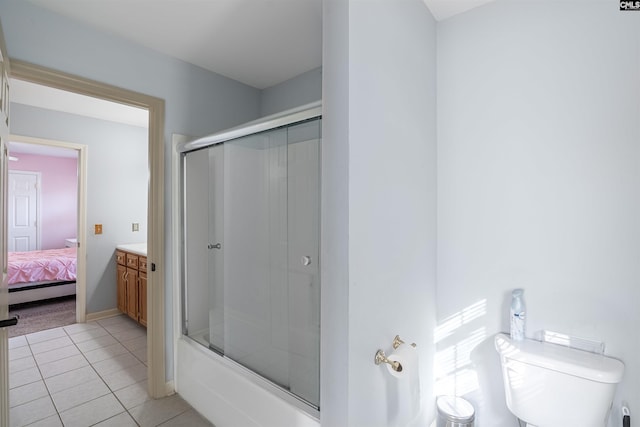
[(252, 232)]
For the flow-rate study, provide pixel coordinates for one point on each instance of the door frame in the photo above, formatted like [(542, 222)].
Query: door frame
[(38, 214), (156, 358), (81, 269)]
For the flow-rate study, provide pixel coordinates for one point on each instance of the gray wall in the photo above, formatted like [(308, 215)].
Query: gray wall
[(197, 102), (117, 184), (379, 205), (300, 90), (538, 183)]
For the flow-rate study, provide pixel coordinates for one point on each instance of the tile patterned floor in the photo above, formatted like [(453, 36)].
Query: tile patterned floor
[(88, 374)]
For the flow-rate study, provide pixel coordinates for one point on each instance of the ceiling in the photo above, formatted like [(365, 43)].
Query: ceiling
[(36, 95), (17, 149), (443, 9), (258, 42)]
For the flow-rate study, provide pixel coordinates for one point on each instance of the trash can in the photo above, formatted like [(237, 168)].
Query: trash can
[(454, 412)]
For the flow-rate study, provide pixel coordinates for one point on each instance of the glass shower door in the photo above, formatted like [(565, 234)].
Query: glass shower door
[(252, 234), (272, 286), (203, 299), (255, 202), (303, 213)]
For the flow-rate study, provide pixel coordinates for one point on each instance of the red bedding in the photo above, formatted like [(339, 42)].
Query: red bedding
[(41, 266)]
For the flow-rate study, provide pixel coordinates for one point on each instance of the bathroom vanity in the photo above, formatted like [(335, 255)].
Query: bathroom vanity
[(131, 264)]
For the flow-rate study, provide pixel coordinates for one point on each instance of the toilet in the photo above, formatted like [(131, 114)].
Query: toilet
[(549, 385)]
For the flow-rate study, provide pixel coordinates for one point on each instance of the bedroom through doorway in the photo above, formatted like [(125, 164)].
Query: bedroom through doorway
[(46, 205)]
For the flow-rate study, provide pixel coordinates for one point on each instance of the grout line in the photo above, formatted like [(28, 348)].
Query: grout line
[(112, 392)]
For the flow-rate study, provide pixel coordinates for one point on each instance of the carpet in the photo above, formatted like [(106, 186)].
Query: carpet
[(41, 315)]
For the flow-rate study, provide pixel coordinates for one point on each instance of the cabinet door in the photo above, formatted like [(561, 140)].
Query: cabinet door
[(121, 258), (142, 298), (132, 293), (122, 288)]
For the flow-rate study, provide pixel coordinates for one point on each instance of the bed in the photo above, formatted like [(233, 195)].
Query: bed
[(38, 275)]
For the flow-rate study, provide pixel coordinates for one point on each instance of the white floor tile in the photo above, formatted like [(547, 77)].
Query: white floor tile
[(52, 344), (63, 365), (136, 343), (20, 352), (155, 412), (16, 342), (22, 364), (27, 393), (26, 376), (141, 355), (131, 375), (92, 412), (104, 353), (115, 364), (57, 354), (82, 393), (81, 327), (120, 420), (92, 378), (96, 343), (31, 412), (52, 421), (191, 418), (129, 334), (45, 335), (133, 395), (71, 379), (115, 320), (88, 335)]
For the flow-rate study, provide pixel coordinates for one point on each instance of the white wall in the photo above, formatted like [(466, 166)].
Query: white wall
[(334, 205), (379, 183), (117, 184), (538, 183)]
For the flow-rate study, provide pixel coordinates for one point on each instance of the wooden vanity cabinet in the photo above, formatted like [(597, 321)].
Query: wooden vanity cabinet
[(142, 290), (132, 285), (122, 288)]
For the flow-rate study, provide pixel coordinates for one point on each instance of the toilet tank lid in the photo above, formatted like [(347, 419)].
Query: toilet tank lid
[(571, 361)]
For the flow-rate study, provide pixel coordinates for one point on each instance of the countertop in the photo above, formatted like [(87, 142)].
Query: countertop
[(135, 248)]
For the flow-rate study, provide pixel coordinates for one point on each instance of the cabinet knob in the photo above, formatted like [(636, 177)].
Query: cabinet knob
[(216, 246)]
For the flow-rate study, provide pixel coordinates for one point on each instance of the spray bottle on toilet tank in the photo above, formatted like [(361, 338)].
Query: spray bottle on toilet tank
[(517, 313)]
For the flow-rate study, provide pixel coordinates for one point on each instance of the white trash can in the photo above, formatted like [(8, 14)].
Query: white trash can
[(454, 412)]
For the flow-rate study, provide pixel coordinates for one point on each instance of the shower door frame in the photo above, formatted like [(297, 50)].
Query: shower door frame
[(182, 146)]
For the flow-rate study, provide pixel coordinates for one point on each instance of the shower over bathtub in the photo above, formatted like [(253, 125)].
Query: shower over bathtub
[(249, 353)]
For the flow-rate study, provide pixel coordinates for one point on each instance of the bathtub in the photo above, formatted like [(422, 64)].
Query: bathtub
[(230, 396)]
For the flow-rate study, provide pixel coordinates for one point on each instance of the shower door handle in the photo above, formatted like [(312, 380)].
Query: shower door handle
[(216, 246)]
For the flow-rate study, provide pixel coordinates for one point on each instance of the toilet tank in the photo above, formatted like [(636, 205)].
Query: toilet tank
[(549, 385)]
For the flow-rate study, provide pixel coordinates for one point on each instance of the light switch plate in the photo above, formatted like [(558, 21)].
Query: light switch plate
[(97, 229)]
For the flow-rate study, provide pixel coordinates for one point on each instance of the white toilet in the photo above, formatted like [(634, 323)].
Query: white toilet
[(549, 385)]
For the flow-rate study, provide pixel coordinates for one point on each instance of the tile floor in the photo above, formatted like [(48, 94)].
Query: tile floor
[(88, 374)]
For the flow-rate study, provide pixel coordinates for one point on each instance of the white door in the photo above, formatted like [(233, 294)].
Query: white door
[(4, 308), (22, 211)]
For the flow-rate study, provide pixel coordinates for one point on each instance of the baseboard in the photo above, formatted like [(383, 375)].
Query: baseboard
[(170, 388), (103, 314)]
